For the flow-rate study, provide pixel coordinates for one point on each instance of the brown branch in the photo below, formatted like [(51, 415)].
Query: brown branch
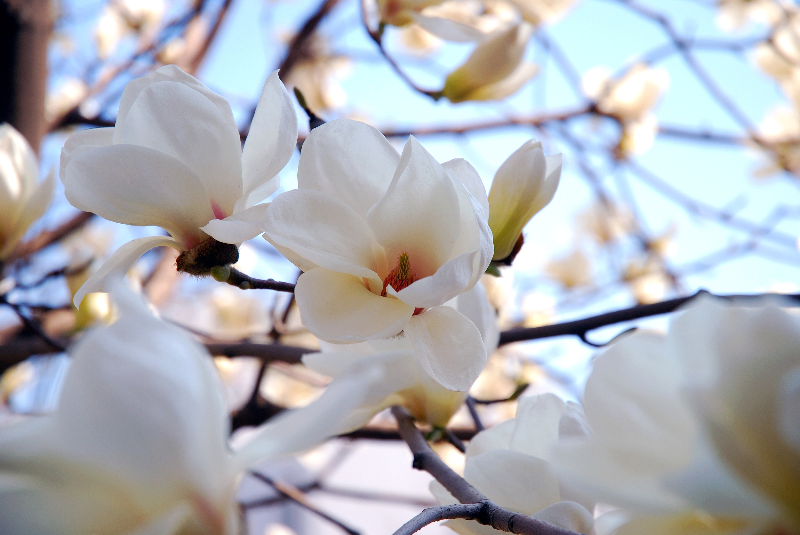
[(246, 282), (296, 51), (581, 327), (198, 58), (490, 514)]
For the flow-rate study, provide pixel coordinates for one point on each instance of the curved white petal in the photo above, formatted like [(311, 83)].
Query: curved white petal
[(139, 186), (567, 515), (349, 402), (538, 422), (325, 232), (475, 234), (348, 152), (179, 121), (338, 308), (475, 305), (448, 346), (463, 172), (32, 210), (271, 140), (448, 29), (239, 227), (154, 420), (449, 280), (531, 484), (505, 87), (120, 262), (82, 140), (173, 73), (419, 215)]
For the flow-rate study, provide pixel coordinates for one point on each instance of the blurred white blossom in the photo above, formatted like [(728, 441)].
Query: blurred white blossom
[(630, 99), (120, 18), (697, 431), (23, 199), (571, 271), (384, 240), (736, 14)]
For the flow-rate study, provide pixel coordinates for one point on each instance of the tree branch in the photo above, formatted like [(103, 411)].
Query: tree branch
[(489, 514), (469, 511)]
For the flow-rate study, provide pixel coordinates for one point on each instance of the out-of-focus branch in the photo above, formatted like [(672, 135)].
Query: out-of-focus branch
[(25, 27), (246, 282), (49, 237), (296, 50), (489, 514)]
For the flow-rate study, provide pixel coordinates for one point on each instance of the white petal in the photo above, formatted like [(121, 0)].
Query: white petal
[(146, 408), (350, 161), (349, 402), (464, 172), (450, 280), (325, 232), (497, 437), (475, 305), (514, 480), (567, 515), (179, 121), (139, 186), (120, 262), (419, 215), (538, 421), (32, 210), (448, 346), (82, 140), (172, 73), (475, 234), (271, 140), (239, 227), (507, 86), (448, 29), (339, 308)]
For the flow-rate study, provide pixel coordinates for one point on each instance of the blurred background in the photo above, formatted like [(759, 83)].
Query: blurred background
[(677, 120)]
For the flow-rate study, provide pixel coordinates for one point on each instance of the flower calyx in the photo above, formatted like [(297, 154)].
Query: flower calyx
[(204, 257)]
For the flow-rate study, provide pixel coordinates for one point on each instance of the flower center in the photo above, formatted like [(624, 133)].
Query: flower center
[(401, 276)]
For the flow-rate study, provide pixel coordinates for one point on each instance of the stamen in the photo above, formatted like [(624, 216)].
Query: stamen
[(401, 276)]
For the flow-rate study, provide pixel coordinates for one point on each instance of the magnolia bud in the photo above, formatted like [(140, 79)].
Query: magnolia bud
[(495, 69), (22, 198), (524, 184)]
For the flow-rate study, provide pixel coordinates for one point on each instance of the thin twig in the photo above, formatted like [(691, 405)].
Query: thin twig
[(246, 282), (469, 511), (293, 493)]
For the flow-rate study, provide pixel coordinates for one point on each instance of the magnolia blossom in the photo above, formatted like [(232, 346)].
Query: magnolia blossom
[(388, 373), (384, 240), (631, 100), (401, 12), (138, 443), (572, 270), (495, 69), (22, 198), (510, 464), (174, 160), (735, 14), (522, 186), (697, 431)]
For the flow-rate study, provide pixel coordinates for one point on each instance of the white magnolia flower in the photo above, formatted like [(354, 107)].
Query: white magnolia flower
[(467, 20), (384, 240), (174, 160), (698, 431), (138, 443), (496, 68), (388, 373), (22, 198), (510, 464), (522, 186)]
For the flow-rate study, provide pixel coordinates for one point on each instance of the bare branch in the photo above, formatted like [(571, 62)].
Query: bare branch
[(469, 511)]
